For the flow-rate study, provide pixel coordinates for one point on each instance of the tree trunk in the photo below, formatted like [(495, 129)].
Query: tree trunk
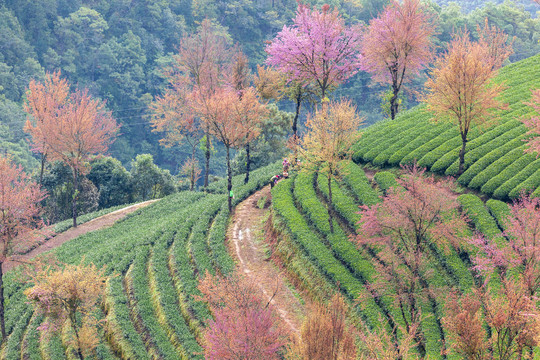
[(75, 196), (330, 218), (207, 154), (229, 180), (295, 125), (73, 320), (2, 312), (462, 155), (192, 175), (394, 105), (41, 171), (248, 164)]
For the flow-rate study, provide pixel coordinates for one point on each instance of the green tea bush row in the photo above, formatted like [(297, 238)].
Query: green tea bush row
[(527, 186), (283, 205), (479, 147), (516, 163), (343, 248), (12, 349), (476, 211), (357, 180), (393, 135), (385, 180), (198, 245), (428, 146), (184, 277), (402, 140), (500, 211), (30, 341), (380, 144), (121, 331), (221, 259), (528, 176), (137, 277), (343, 204), (476, 175), (165, 298), (422, 138)]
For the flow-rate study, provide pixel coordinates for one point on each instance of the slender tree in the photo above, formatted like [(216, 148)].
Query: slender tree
[(397, 45), (330, 134), (192, 171), (70, 295), (81, 127), (325, 334), (461, 88), (273, 84), (418, 213), (318, 48), (520, 255), (42, 104), (194, 76), (533, 123), (239, 78), (245, 326), (222, 119), (19, 214)]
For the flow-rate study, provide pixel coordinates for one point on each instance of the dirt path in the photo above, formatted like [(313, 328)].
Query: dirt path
[(99, 223), (246, 244)]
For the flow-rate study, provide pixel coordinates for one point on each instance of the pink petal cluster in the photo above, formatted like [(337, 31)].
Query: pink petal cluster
[(397, 44), (317, 48)]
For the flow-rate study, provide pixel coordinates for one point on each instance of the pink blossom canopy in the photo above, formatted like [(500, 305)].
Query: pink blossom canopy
[(318, 48)]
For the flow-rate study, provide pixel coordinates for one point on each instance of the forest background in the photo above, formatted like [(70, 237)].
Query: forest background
[(118, 49)]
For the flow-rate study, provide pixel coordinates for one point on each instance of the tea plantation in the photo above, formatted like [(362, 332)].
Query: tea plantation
[(156, 256), (495, 163)]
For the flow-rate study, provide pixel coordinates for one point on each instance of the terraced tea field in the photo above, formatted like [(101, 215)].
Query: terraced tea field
[(494, 161), (328, 261), (157, 254)]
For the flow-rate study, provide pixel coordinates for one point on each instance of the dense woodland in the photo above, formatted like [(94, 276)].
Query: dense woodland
[(118, 49)]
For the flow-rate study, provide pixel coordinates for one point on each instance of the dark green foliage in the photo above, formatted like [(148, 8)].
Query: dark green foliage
[(113, 181), (149, 181), (385, 180)]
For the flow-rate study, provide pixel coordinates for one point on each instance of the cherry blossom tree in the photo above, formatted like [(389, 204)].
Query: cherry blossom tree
[(194, 76), (318, 48), (245, 326), (70, 295), (43, 101), (331, 132), (521, 253), (397, 45), (80, 127), (461, 88), (418, 213), (19, 216), (223, 113), (511, 316)]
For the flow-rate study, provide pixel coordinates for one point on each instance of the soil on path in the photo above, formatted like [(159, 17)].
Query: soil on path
[(247, 246), (99, 223)]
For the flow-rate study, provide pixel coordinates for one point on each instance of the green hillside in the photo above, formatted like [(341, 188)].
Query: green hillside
[(157, 253), (495, 163)]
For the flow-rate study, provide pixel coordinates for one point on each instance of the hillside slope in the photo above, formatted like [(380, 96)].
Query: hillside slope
[(495, 162)]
